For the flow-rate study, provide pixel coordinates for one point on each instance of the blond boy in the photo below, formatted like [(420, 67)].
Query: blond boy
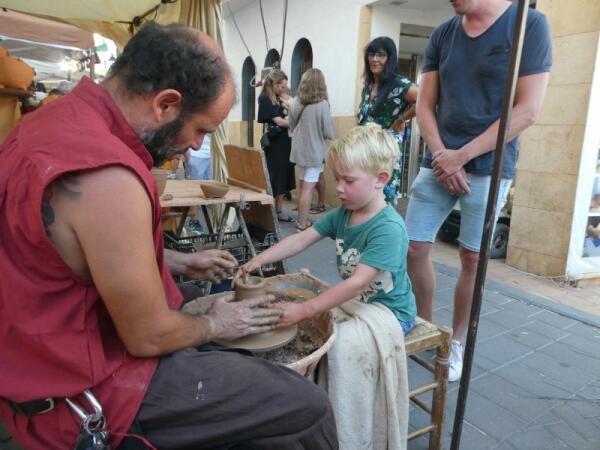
[(371, 239)]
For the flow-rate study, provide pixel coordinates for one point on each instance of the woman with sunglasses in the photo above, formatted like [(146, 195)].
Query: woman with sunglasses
[(387, 99)]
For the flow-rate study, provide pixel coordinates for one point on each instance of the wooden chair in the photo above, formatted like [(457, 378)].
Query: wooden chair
[(427, 336)]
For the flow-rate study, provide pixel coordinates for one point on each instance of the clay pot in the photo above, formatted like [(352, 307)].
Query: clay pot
[(255, 287), (160, 175), (14, 73), (214, 189)]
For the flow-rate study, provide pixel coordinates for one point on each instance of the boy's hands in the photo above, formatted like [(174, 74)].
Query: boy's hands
[(291, 313), (231, 320), (252, 265)]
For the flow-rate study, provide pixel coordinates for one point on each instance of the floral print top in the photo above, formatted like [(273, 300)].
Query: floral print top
[(394, 105)]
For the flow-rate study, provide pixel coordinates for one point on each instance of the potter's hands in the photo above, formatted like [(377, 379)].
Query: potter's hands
[(211, 265), (251, 266), (457, 184), (447, 162), (231, 320), (291, 313)]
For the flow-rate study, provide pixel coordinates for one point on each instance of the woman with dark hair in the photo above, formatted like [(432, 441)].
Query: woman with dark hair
[(387, 99), (277, 149)]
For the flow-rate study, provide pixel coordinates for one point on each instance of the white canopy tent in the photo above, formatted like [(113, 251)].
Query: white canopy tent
[(118, 20), (50, 47)]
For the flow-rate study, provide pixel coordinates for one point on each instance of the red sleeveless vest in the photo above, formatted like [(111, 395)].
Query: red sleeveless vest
[(56, 337)]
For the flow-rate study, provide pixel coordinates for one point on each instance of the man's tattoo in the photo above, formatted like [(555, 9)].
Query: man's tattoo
[(69, 179), (63, 185)]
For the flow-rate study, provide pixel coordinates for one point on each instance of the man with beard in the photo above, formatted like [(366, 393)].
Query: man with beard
[(86, 297)]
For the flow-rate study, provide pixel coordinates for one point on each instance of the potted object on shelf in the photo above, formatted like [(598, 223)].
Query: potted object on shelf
[(14, 73)]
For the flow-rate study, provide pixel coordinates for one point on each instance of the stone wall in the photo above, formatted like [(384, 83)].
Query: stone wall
[(550, 155)]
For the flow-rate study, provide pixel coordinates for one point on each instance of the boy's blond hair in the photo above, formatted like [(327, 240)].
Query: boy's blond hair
[(369, 148)]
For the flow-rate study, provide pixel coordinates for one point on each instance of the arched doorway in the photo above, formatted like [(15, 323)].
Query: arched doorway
[(248, 98), (272, 59), (302, 60)]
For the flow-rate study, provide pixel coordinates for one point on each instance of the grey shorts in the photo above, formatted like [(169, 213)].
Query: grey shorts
[(430, 204)]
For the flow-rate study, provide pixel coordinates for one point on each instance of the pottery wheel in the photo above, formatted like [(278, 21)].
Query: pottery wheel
[(262, 342)]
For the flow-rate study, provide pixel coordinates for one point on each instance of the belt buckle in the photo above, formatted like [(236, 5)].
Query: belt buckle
[(50, 405)]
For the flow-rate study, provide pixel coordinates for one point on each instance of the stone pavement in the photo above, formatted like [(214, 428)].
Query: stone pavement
[(536, 373)]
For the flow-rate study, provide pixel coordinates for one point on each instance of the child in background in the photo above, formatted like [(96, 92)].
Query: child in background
[(371, 239), (286, 100)]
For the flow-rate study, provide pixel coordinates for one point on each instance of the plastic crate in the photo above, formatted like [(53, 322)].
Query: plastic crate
[(233, 242)]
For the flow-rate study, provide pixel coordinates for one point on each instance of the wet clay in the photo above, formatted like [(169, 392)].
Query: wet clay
[(309, 338), (249, 287), (253, 287)]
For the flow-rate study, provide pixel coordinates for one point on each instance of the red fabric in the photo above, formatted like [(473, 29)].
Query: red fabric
[(56, 337)]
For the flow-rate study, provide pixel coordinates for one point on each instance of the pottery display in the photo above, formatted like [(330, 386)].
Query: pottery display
[(160, 175), (14, 73), (214, 189)]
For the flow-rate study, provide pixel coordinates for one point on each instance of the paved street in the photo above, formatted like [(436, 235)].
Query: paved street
[(536, 377)]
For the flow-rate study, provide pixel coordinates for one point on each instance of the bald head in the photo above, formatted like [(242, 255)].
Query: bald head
[(174, 57)]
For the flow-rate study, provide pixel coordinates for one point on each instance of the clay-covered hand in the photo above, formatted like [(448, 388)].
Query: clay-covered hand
[(231, 320), (211, 265), (291, 313), (251, 266), (457, 183), (447, 162)]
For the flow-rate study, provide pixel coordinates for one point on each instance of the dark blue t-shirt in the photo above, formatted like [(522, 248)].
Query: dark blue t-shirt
[(472, 73)]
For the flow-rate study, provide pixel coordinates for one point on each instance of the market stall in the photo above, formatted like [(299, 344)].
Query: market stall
[(118, 21)]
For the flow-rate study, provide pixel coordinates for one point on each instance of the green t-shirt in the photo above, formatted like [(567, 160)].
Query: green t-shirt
[(382, 243)]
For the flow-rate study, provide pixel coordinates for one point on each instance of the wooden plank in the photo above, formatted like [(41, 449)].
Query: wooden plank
[(243, 184), (247, 165)]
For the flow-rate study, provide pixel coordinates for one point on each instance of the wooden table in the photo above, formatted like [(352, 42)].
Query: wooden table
[(188, 193)]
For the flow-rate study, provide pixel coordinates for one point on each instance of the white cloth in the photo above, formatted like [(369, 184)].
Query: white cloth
[(366, 380)]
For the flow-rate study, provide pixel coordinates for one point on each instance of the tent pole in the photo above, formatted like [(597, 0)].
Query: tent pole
[(490, 213), (92, 65)]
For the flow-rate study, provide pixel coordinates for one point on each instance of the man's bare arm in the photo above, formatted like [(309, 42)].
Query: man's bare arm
[(427, 100), (111, 220)]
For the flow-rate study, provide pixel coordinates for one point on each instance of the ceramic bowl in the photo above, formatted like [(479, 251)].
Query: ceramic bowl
[(215, 189)]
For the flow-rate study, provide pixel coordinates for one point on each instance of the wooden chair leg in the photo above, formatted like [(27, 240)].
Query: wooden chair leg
[(439, 393)]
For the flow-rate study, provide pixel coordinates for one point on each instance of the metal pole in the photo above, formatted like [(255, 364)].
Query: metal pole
[(490, 213)]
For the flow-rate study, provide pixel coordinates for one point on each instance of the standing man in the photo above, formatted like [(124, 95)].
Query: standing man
[(458, 109), (86, 297)]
